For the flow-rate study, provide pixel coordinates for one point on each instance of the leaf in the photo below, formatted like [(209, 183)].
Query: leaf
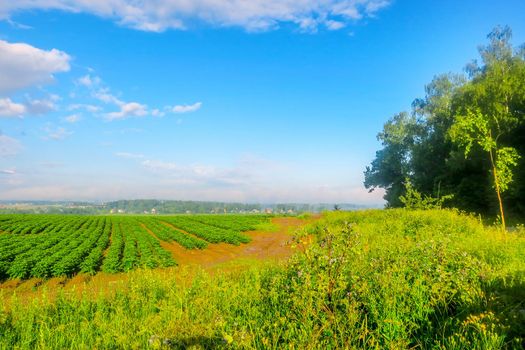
[(506, 159)]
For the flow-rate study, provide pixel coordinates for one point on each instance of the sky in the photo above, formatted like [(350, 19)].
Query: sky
[(225, 100)]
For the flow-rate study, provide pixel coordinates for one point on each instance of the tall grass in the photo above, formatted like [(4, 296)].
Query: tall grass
[(392, 279)]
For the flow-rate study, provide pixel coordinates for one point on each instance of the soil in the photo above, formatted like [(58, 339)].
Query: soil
[(263, 246)]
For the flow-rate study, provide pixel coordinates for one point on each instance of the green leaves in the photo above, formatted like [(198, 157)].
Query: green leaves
[(507, 158), (453, 139), (472, 129), (413, 199)]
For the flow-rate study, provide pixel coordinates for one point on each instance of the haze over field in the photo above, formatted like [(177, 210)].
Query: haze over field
[(255, 101)]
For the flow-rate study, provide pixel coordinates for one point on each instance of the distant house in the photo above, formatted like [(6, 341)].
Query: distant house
[(154, 211), (268, 210), (121, 211), (112, 211)]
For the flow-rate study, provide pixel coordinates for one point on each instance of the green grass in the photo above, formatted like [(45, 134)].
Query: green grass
[(391, 279)]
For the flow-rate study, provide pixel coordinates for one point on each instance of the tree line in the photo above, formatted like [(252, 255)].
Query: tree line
[(465, 139)]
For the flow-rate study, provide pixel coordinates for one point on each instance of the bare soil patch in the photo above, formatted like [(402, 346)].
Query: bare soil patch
[(263, 246)]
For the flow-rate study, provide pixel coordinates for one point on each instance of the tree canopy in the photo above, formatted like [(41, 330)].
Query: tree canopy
[(442, 145)]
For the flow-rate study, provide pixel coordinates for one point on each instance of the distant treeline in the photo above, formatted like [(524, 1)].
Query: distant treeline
[(465, 138), (153, 206)]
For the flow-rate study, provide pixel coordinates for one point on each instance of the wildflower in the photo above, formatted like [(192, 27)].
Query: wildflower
[(154, 341), (228, 339)]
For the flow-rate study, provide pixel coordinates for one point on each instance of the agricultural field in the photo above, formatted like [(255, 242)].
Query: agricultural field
[(377, 279), (46, 246)]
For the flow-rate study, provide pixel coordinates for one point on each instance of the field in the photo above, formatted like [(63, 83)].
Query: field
[(46, 246), (382, 279)]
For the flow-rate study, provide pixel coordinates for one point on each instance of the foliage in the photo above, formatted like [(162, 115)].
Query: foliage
[(415, 200), (391, 279), (461, 115)]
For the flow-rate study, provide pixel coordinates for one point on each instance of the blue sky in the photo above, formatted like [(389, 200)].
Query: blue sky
[(256, 101)]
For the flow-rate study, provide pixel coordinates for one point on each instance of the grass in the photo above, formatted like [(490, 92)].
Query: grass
[(390, 279)]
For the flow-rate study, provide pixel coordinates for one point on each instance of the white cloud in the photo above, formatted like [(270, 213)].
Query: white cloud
[(249, 179), (22, 65), (8, 108), (18, 25), (157, 113), (187, 108), (7, 171), (42, 106), (73, 118), (87, 107), (128, 155), (88, 80), (101, 92), (105, 96), (334, 25), (56, 134), (9, 146), (160, 165), (131, 109), (253, 15)]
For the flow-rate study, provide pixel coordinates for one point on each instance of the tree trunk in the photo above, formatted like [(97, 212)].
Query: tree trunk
[(496, 183)]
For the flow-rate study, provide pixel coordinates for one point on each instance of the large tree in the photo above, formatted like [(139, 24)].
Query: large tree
[(426, 151), (487, 112)]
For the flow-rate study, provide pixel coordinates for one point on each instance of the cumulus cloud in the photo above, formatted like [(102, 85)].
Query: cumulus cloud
[(334, 25), (105, 96), (253, 15), (131, 109), (8, 108), (9, 146), (157, 113), (22, 65), (73, 118), (88, 80), (41, 106), (187, 108)]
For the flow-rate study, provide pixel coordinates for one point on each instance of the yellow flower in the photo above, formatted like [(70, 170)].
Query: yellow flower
[(228, 339)]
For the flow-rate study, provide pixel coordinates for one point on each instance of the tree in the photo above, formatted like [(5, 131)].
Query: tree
[(487, 114), (420, 145), (475, 128), (391, 166)]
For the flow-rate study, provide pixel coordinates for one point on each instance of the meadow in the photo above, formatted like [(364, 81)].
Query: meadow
[(377, 279)]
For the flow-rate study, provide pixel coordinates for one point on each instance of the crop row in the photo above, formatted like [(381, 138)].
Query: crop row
[(34, 224), (53, 245), (168, 233), (209, 233), (56, 255), (238, 223), (132, 247)]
